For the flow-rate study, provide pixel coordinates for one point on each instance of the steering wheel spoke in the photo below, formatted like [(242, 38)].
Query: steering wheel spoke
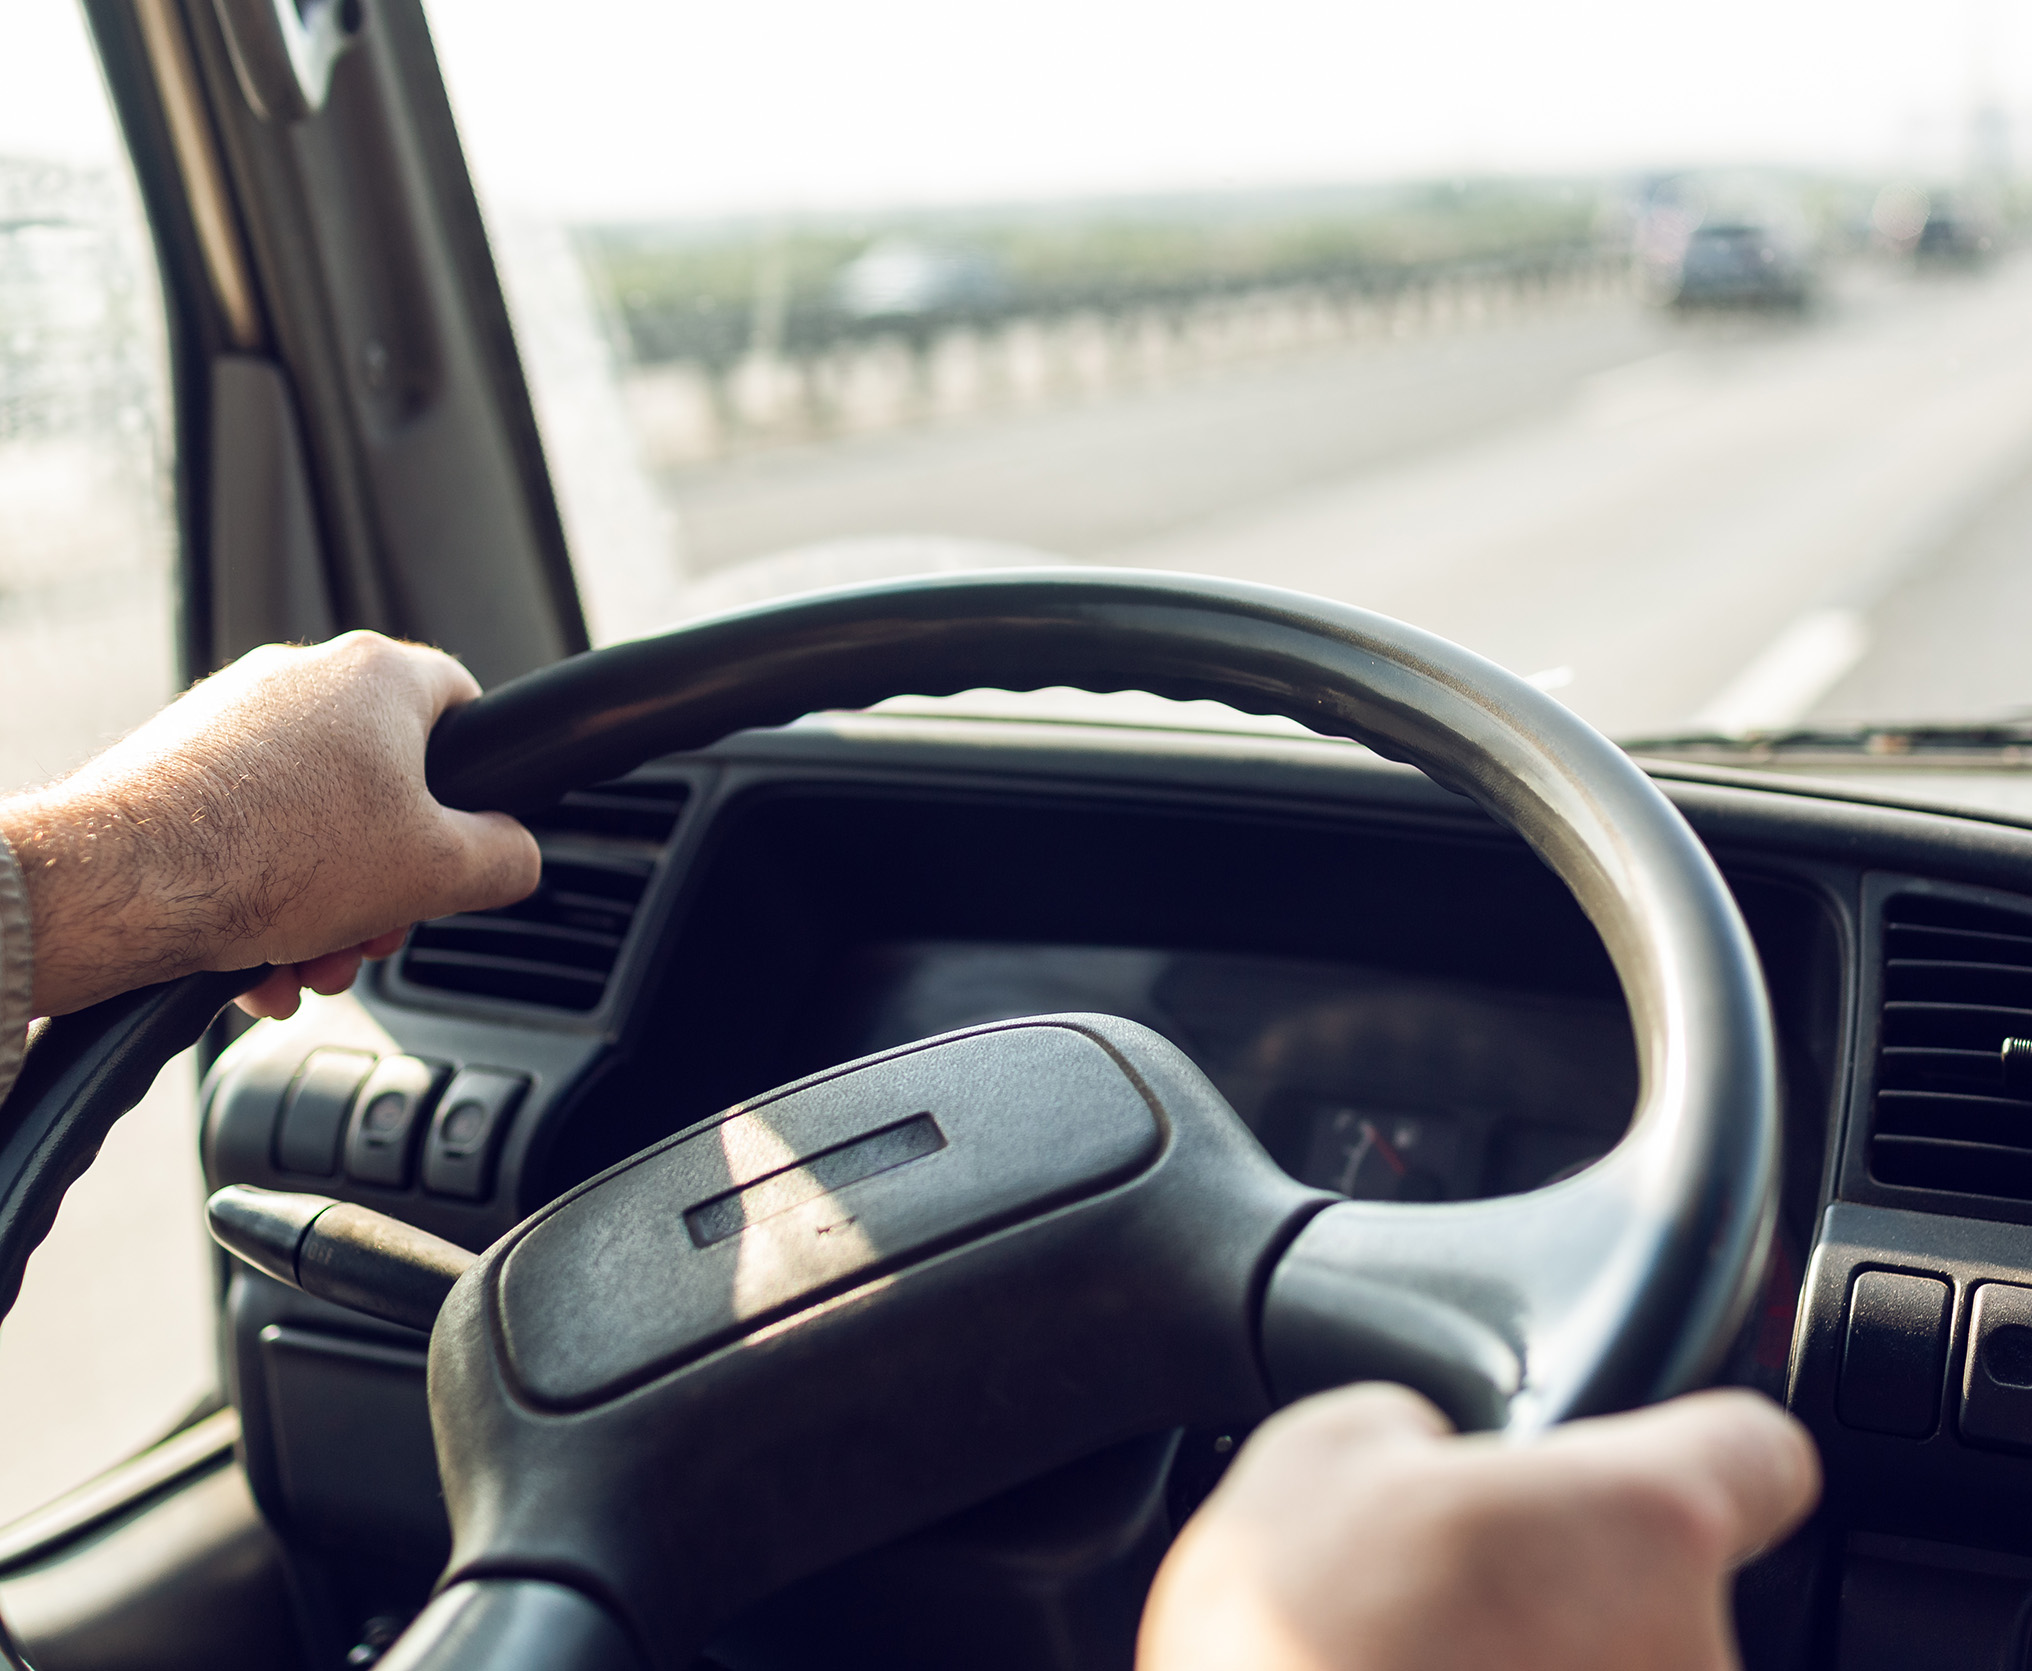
[(1509, 1313)]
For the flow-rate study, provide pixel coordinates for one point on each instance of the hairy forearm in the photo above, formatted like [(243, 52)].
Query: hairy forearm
[(275, 814), (108, 908)]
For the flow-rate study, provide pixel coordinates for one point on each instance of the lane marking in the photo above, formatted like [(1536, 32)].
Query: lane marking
[(1794, 671), (1646, 388)]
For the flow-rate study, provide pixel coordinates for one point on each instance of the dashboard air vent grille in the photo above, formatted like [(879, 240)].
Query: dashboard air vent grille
[(558, 947), (1954, 1097)]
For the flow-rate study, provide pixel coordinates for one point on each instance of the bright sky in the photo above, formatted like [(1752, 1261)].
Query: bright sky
[(51, 99), (625, 107), (646, 106)]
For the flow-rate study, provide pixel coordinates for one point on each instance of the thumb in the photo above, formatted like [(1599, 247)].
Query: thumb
[(1757, 1463), (495, 862), (1348, 1423)]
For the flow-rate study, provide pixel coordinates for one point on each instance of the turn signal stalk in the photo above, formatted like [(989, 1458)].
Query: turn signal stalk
[(339, 1252)]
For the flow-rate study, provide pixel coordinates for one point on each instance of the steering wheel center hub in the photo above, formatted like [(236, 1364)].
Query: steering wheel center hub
[(719, 1232)]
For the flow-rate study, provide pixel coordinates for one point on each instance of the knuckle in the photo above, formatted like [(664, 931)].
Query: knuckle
[(1392, 1400), (360, 653), (370, 649), (1682, 1518), (1368, 1409), (266, 659)]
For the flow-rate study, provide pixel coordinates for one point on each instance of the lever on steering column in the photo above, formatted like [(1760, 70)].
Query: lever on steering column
[(339, 1252)]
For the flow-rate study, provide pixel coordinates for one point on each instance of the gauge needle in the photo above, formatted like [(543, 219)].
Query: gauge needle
[(1391, 1158)]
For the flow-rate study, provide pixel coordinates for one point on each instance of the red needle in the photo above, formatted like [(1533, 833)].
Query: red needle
[(1391, 1158)]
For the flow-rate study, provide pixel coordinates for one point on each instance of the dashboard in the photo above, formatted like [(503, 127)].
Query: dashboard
[(1396, 996), (1380, 1087)]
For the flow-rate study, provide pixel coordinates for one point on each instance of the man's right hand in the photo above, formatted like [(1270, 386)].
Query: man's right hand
[(1355, 1532)]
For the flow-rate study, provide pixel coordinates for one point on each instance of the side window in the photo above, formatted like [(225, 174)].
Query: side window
[(110, 1342)]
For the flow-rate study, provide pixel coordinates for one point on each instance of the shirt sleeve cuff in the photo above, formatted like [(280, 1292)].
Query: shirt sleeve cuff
[(17, 967)]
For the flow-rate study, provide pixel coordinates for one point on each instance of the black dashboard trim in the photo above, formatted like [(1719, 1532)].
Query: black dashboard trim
[(1843, 853)]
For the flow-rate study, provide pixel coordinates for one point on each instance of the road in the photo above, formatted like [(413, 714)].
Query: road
[(1738, 522)]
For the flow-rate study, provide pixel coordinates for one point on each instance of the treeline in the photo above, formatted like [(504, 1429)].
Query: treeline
[(710, 294)]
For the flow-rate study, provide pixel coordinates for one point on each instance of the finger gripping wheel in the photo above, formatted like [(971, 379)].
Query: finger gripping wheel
[(852, 1306)]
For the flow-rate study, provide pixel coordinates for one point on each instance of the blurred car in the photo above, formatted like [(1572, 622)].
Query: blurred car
[(897, 281), (1738, 264), (1933, 229), (1953, 236)]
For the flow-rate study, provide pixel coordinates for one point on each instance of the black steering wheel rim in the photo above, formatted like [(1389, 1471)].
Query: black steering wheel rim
[(1707, 1108), (1691, 1188)]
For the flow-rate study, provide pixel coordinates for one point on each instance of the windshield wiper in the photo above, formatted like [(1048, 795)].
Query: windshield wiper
[(1978, 743)]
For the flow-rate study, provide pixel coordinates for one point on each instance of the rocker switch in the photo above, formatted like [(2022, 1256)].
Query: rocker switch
[(458, 1156), (314, 1112), (387, 1115), (1895, 1356), (1996, 1388)]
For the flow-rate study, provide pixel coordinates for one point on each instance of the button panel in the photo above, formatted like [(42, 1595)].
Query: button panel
[(1894, 1356), (315, 1109), (458, 1156), (1996, 1388), (389, 1112)]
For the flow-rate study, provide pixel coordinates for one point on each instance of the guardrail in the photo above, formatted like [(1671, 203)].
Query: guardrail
[(713, 387)]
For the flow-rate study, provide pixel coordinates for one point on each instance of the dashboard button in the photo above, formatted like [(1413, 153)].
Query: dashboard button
[(314, 1113), (387, 1114), (240, 1121), (458, 1156), (1895, 1355), (1996, 1388)]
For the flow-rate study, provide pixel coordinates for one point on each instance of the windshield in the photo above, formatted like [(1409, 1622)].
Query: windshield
[(1682, 364)]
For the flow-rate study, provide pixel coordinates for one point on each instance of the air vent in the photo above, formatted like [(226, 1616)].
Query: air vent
[(557, 948), (1954, 1097)]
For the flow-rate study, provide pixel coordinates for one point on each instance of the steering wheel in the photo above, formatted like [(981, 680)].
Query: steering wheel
[(862, 1302)]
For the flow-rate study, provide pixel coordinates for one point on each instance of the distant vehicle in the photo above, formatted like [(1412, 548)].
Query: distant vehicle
[(901, 281), (1953, 236), (1738, 264), (1933, 229)]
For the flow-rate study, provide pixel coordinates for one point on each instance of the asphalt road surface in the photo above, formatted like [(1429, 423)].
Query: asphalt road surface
[(1740, 522), (1727, 522)]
